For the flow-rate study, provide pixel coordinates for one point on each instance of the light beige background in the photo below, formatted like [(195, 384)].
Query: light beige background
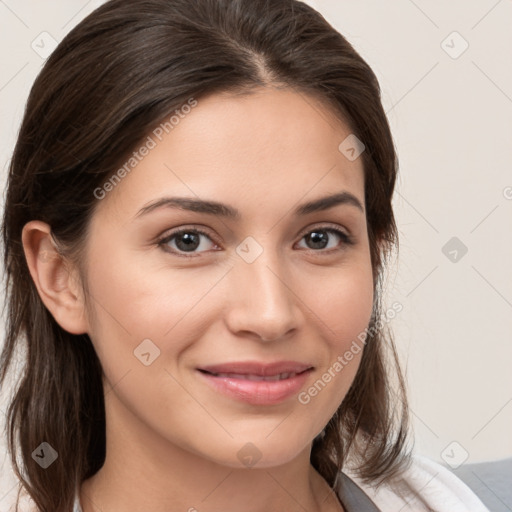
[(451, 114)]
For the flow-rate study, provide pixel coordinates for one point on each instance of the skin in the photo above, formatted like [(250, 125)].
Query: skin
[(171, 439)]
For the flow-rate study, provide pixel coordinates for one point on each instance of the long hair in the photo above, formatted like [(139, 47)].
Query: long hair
[(110, 81)]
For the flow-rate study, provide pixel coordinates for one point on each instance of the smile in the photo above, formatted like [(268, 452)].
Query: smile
[(257, 383)]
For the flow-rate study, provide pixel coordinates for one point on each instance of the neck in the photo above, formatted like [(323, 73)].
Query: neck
[(143, 471)]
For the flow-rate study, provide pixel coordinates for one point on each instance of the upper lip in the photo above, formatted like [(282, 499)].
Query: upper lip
[(258, 368)]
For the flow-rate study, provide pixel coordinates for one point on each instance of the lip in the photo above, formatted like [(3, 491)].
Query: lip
[(243, 380), (258, 368)]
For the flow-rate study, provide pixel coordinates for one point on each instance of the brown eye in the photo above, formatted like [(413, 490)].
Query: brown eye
[(185, 241), (322, 238)]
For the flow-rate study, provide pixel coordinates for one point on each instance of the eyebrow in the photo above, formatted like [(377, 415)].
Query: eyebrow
[(224, 210)]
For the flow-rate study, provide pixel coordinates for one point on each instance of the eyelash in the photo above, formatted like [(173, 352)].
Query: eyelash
[(161, 242)]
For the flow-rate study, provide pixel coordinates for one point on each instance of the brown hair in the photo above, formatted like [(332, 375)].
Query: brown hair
[(117, 74)]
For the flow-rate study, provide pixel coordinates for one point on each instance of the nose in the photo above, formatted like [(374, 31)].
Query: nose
[(262, 301)]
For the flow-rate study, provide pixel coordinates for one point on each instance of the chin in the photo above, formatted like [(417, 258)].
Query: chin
[(261, 452)]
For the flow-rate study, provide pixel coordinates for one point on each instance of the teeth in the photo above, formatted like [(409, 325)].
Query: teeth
[(269, 378)]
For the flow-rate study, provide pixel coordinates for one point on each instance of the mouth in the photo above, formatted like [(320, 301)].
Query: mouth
[(254, 377), (257, 383)]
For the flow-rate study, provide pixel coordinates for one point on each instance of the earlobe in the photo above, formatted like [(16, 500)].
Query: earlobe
[(53, 277)]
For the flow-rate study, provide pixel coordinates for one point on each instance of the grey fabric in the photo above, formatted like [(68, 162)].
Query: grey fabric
[(491, 482), (352, 497)]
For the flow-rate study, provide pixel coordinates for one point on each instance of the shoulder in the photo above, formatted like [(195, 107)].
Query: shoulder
[(424, 486)]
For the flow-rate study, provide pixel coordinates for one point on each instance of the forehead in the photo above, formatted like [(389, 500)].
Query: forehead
[(269, 147)]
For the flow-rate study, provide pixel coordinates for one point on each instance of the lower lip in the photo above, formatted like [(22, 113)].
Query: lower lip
[(257, 392)]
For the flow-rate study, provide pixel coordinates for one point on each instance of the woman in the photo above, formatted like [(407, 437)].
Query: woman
[(197, 219)]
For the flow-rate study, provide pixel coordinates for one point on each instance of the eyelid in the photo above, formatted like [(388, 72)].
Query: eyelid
[(324, 226)]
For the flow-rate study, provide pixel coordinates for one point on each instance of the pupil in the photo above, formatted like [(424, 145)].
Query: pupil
[(319, 239), (190, 239)]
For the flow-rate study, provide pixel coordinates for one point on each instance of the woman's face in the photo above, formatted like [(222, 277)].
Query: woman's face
[(271, 285)]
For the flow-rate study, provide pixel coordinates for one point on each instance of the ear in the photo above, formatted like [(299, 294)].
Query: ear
[(54, 277)]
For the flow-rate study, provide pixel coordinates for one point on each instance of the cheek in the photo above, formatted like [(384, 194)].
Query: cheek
[(341, 307), (145, 320), (134, 302), (342, 302)]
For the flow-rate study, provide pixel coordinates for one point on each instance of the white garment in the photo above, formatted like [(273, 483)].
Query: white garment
[(426, 486)]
